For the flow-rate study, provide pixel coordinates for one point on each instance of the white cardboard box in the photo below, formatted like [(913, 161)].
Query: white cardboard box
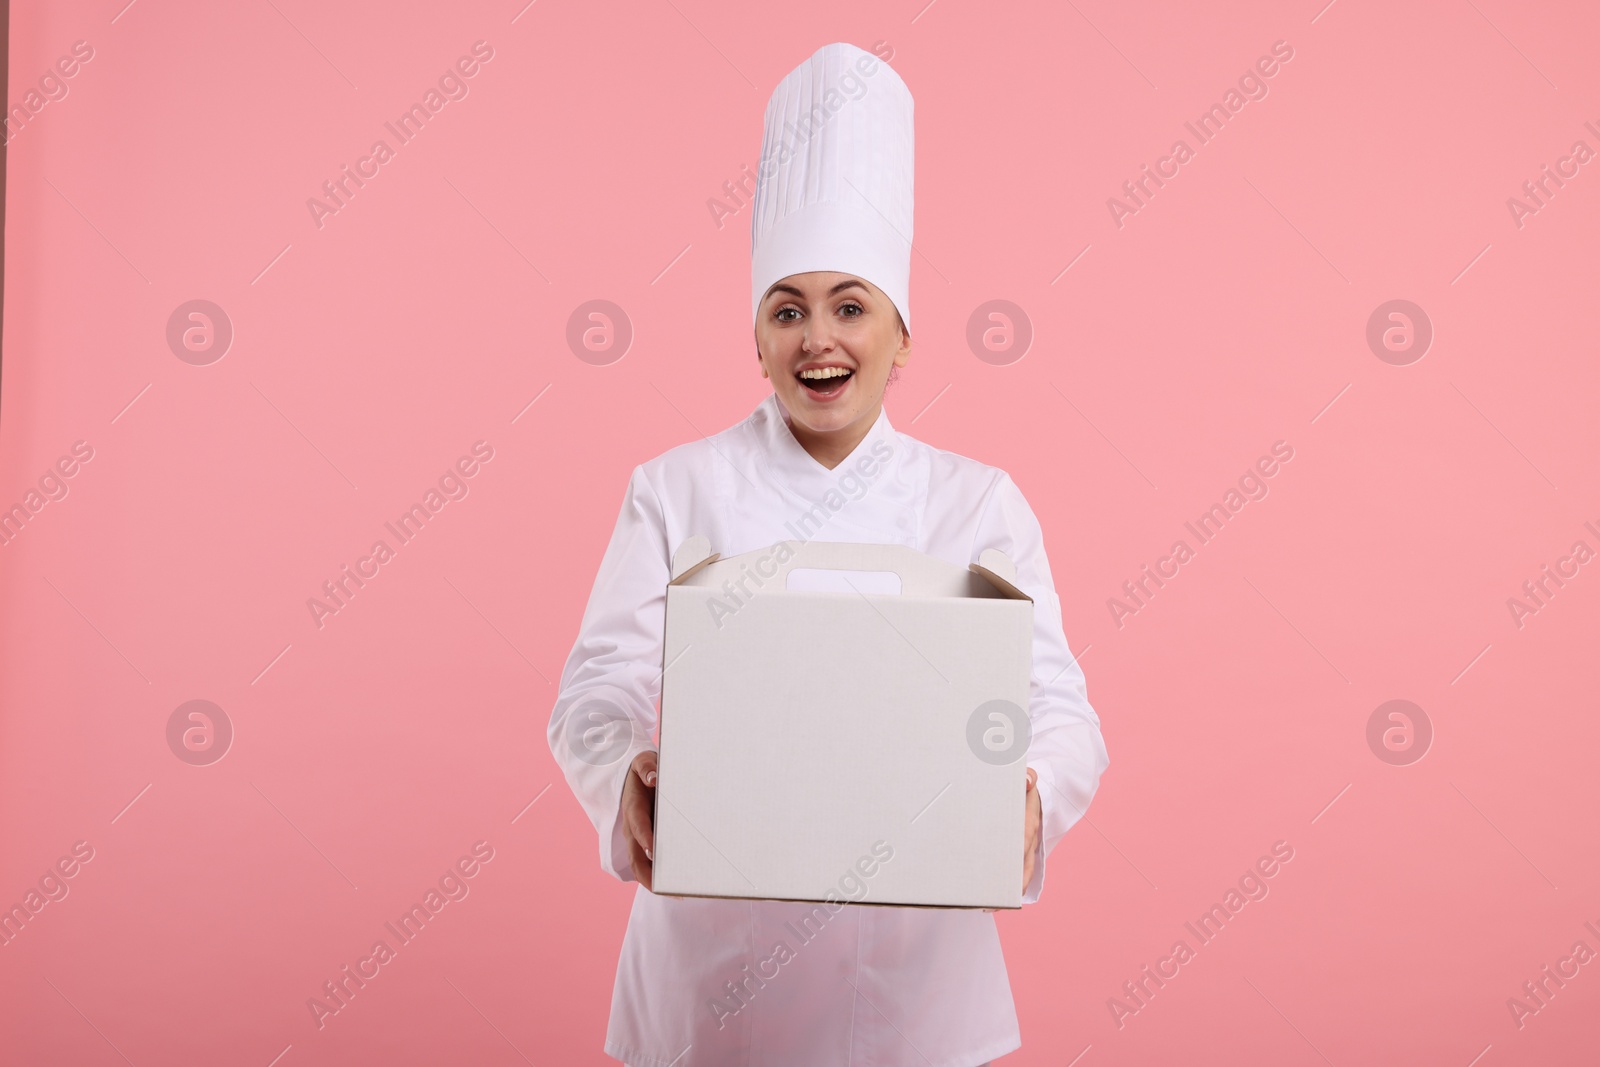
[(826, 737)]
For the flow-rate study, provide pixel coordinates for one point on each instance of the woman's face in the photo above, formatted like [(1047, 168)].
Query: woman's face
[(837, 325)]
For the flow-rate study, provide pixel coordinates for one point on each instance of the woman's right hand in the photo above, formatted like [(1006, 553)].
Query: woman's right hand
[(638, 815)]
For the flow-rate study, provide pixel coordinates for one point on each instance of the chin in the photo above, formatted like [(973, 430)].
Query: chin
[(818, 421), (833, 423)]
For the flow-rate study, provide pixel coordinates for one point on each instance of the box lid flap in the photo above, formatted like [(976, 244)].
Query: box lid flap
[(693, 554), (996, 566)]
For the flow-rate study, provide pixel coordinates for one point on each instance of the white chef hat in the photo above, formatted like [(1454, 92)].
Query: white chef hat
[(833, 191)]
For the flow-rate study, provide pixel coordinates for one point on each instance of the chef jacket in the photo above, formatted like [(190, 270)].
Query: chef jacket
[(704, 982)]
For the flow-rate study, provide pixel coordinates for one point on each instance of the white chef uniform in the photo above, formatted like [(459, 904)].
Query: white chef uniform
[(697, 983), (877, 985)]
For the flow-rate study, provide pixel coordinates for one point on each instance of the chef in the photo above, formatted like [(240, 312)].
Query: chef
[(703, 982)]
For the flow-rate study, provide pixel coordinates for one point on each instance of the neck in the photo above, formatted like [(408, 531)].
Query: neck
[(832, 448)]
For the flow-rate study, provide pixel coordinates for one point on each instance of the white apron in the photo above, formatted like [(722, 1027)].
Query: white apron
[(703, 983)]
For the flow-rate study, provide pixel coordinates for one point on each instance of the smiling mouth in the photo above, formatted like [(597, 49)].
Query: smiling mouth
[(829, 386)]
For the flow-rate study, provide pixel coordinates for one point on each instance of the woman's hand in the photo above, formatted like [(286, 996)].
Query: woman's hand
[(1030, 827), (1032, 819), (638, 815)]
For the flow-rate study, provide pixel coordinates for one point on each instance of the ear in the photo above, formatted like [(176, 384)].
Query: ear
[(903, 354)]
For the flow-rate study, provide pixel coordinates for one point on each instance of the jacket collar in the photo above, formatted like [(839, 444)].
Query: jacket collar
[(797, 467), (873, 495)]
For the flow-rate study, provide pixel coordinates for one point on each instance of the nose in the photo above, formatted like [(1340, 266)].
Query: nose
[(817, 337)]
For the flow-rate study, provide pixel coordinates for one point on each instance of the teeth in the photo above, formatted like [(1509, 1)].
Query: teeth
[(825, 372)]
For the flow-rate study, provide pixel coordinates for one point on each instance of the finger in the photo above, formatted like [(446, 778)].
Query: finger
[(636, 818), (641, 813), (639, 826), (641, 857), (645, 768), (643, 868)]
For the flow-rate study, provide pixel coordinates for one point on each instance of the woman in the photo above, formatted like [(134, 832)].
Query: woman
[(696, 982)]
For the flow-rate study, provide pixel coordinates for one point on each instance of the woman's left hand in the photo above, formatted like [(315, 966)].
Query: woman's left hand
[(1030, 827)]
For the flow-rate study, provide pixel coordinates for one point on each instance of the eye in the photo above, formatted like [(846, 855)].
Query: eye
[(780, 312), (847, 305)]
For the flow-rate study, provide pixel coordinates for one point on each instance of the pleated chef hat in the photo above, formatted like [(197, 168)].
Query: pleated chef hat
[(833, 191)]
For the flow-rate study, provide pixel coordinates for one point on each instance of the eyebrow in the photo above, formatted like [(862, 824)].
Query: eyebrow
[(846, 284)]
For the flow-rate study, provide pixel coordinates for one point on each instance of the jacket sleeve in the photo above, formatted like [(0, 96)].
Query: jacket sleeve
[(1066, 749), (605, 711)]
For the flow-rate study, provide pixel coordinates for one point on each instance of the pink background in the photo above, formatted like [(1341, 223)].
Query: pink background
[(1229, 313)]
